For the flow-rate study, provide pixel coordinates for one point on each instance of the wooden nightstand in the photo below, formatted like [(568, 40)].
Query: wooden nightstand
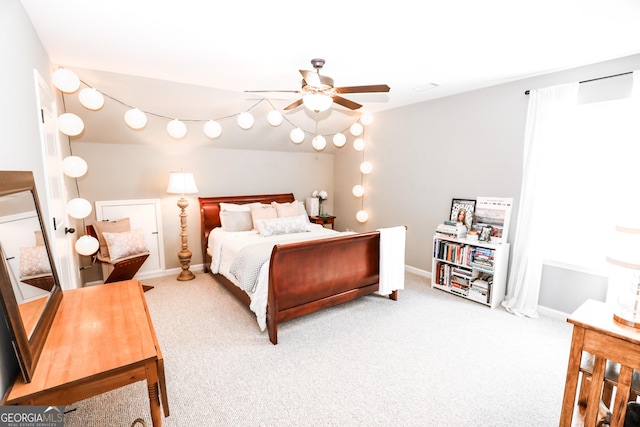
[(324, 220)]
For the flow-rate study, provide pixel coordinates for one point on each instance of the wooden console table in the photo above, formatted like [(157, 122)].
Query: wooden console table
[(102, 338), (595, 332)]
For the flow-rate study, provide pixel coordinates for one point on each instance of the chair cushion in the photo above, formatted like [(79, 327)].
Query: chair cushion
[(101, 227)]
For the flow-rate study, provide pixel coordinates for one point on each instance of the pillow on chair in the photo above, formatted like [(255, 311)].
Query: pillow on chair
[(125, 244), (101, 227)]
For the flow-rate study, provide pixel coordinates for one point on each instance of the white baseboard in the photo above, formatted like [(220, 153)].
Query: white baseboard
[(176, 271), (554, 314), (418, 271)]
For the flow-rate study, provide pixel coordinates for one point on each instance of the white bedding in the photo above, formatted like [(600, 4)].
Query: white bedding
[(224, 246)]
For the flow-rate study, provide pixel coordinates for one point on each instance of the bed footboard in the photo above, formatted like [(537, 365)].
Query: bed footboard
[(309, 276)]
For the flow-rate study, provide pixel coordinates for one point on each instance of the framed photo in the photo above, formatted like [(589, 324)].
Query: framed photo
[(462, 211), (485, 233), (495, 212)]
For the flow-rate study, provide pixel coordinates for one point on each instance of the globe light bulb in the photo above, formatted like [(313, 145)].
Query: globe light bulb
[(366, 167), (356, 129), (362, 216), (366, 118), (87, 245), (212, 129), (70, 124), (358, 144), (319, 142), (91, 99), (296, 135), (245, 120), (74, 166), (339, 139), (176, 129), (135, 119), (79, 208), (358, 190), (274, 118), (65, 80)]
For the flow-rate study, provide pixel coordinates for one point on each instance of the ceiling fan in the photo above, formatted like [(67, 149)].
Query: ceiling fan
[(320, 88)]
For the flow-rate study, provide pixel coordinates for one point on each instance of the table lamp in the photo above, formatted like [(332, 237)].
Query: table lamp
[(624, 251), (183, 183)]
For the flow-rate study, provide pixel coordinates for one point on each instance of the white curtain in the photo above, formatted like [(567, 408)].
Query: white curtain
[(547, 109)]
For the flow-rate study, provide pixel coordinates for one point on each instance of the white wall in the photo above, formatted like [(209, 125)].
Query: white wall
[(21, 52)]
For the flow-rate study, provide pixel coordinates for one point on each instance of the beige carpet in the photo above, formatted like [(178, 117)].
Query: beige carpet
[(429, 359)]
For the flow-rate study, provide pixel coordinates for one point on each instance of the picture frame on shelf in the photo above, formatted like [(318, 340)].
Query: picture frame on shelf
[(485, 233), (494, 212), (462, 210)]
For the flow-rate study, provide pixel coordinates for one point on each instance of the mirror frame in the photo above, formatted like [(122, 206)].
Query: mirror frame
[(27, 349)]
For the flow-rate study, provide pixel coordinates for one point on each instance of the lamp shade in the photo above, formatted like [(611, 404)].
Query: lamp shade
[(182, 183), (624, 248), (317, 102)]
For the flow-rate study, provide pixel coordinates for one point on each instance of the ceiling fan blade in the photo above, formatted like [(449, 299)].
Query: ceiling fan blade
[(346, 102), (361, 89), (294, 105), (311, 78)]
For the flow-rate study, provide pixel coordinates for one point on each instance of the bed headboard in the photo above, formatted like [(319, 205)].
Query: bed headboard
[(210, 214)]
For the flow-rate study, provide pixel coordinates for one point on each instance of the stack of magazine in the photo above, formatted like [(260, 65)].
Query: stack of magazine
[(452, 229)]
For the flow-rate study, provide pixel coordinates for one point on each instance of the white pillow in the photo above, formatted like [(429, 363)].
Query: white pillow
[(234, 207), (284, 225), (263, 212), (33, 261), (128, 243), (236, 220)]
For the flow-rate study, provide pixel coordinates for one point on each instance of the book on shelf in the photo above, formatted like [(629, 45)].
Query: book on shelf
[(456, 231)]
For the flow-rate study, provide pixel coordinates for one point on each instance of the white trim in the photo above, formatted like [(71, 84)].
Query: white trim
[(418, 271), (554, 314), (573, 267)]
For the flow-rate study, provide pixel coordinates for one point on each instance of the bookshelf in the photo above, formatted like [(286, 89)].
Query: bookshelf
[(470, 269)]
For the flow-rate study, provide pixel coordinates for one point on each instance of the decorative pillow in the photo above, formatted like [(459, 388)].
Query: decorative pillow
[(34, 261), (127, 243), (285, 225), (286, 209), (236, 220), (263, 212), (110, 227)]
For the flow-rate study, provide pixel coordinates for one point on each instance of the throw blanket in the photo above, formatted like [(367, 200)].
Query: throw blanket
[(246, 266)]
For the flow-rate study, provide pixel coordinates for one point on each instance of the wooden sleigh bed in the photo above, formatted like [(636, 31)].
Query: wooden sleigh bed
[(304, 277)]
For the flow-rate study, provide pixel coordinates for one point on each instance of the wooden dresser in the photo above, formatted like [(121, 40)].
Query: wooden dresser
[(102, 338)]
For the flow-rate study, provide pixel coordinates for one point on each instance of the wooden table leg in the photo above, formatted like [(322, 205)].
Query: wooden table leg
[(595, 391), (573, 371), (619, 409), (154, 403)]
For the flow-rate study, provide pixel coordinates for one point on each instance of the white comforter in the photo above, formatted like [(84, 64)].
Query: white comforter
[(224, 246)]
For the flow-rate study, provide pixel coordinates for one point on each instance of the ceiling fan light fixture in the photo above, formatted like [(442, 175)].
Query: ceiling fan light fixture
[(317, 102)]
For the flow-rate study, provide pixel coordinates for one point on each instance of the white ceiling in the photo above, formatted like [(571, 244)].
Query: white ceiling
[(258, 45)]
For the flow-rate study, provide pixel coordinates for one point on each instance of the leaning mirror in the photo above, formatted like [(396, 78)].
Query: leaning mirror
[(29, 285)]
